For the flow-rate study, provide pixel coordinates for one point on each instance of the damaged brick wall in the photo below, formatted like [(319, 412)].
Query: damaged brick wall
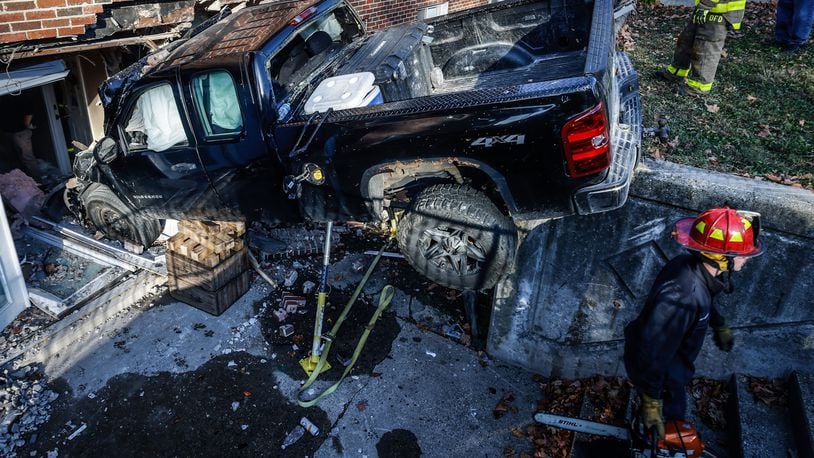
[(383, 13), (28, 20), (42, 19)]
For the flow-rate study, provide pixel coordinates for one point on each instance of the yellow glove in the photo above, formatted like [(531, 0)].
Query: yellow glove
[(651, 414), (724, 339)]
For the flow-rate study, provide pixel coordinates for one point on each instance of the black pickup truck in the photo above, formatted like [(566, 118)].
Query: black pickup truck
[(456, 129)]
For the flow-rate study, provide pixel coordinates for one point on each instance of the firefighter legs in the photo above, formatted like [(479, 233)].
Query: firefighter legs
[(682, 57), (706, 52)]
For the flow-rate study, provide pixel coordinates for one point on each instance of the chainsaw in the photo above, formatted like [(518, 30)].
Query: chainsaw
[(681, 438)]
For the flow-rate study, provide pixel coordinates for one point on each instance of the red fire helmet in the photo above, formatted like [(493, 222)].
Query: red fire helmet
[(723, 231)]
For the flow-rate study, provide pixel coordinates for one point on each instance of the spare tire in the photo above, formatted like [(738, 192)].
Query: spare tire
[(117, 221), (457, 237)]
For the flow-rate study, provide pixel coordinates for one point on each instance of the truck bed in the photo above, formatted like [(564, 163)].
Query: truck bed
[(549, 68)]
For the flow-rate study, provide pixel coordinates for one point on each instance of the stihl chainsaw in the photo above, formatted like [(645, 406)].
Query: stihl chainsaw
[(681, 438)]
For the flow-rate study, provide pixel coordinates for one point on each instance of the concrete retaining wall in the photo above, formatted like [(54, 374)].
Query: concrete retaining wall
[(579, 280)]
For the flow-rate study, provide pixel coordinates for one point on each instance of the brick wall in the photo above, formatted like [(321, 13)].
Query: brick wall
[(23, 20), (27, 20), (383, 13)]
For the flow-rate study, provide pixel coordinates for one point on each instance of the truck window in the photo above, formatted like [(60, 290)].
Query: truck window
[(315, 44), (216, 102), (154, 122)]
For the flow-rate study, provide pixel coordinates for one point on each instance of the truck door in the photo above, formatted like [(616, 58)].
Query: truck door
[(13, 293), (231, 146), (159, 171)]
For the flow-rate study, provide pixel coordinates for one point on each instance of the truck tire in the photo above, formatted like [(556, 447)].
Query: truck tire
[(117, 221), (456, 237)]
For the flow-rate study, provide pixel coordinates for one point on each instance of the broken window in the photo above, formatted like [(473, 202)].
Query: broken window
[(316, 44), (155, 122), (217, 104)]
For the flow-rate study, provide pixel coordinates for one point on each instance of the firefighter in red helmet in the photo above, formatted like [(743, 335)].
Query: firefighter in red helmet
[(662, 343)]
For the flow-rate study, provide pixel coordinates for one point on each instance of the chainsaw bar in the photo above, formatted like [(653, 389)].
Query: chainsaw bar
[(583, 426)]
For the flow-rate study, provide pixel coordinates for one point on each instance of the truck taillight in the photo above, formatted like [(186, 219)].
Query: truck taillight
[(586, 141), (305, 14)]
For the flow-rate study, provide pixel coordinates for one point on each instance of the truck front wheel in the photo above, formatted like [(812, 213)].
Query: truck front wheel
[(456, 237), (117, 221)]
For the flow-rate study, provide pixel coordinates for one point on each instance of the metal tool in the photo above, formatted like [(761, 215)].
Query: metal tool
[(681, 438), (310, 363), (662, 132)]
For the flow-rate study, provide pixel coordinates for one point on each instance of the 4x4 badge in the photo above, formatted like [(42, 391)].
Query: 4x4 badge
[(488, 142)]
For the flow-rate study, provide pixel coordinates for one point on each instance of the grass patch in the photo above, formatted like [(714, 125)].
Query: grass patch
[(759, 119)]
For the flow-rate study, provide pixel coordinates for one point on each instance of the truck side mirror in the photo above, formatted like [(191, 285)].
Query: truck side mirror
[(106, 150)]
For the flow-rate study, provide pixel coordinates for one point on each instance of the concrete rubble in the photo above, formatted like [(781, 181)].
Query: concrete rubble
[(26, 401)]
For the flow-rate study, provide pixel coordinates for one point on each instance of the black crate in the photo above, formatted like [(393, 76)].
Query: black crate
[(213, 302), (191, 272)]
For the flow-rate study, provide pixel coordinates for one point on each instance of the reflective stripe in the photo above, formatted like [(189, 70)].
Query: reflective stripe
[(735, 5), (736, 26), (703, 87), (683, 72)]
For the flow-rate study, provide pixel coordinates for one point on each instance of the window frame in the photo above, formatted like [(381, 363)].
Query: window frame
[(124, 136), (202, 120)]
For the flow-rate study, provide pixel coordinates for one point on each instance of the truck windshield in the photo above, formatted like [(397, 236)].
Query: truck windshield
[(315, 44)]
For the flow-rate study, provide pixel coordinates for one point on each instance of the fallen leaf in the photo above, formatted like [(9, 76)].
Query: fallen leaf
[(375, 374), (247, 393), (714, 108), (503, 405), (361, 405), (674, 143), (802, 122), (724, 53), (764, 131), (751, 98), (774, 178)]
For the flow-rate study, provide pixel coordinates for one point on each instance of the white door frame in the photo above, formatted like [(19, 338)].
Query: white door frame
[(55, 128), (11, 276)]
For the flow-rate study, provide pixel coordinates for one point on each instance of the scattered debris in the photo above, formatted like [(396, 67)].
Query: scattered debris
[(290, 278), (504, 405), (293, 436), (24, 405), (453, 331), (308, 287), (235, 406), (430, 353), (772, 392), (308, 426), (710, 397), (286, 330), (77, 432), (358, 265)]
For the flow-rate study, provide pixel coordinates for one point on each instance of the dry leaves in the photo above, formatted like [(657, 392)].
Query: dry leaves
[(714, 108), (765, 131), (710, 401), (751, 98), (504, 405), (772, 392)]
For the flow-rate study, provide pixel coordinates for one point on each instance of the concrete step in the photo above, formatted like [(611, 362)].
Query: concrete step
[(801, 402), (761, 431)]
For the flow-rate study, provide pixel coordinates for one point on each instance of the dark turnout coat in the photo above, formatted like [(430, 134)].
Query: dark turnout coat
[(662, 343)]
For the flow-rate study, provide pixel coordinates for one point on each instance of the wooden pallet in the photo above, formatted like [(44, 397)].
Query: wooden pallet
[(207, 242)]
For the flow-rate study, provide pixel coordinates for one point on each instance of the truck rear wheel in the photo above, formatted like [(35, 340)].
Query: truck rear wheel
[(456, 237), (117, 221)]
